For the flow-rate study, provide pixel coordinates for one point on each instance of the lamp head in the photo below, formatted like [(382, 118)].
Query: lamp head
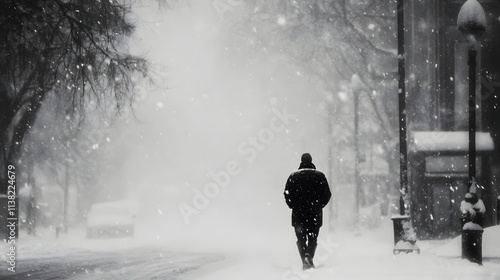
[(471, 19)]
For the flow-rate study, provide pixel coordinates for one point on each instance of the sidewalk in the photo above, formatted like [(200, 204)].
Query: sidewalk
[(369, 256)]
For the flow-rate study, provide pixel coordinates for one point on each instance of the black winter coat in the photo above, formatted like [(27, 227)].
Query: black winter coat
[(307, 193)]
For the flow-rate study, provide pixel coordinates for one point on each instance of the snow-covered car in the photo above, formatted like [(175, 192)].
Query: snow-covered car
[(111, 219)]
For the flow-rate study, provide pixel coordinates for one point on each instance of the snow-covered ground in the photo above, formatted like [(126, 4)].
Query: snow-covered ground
[(72, 256), (341, 255), (245, 233), (249, 254)]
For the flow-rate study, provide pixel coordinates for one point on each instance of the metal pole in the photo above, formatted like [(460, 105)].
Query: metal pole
[(65, 205), (472, 114), (402, 232), (333, 204), (356, 151), (403, 157)]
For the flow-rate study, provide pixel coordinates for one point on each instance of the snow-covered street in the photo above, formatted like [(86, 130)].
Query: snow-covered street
[(75, 257), (340, 255), (146, 263), (212, 139)]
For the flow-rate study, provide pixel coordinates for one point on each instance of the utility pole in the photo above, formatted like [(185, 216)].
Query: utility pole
[(403, 153)]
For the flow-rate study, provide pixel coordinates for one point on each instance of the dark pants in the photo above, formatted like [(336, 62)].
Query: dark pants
[(307, 240)]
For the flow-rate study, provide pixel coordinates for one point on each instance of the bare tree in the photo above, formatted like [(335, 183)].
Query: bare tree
[(71, 49), (333, 40)]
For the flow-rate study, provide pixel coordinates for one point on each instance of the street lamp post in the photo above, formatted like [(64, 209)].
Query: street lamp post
[(333, 205), (403, 153), (357, 85), (472, 23), (404, 239), (472, 54), (356, 156)]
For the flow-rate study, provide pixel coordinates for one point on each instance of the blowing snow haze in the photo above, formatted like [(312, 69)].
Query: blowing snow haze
[(188, 182), (214, 141)]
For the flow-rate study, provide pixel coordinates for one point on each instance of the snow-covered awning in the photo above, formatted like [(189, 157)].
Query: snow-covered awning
[(449, 141)]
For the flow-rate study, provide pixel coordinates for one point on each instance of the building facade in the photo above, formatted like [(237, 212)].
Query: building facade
[(437, 114)]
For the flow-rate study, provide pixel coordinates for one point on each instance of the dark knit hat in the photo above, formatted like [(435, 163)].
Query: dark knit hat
[(306, 158)]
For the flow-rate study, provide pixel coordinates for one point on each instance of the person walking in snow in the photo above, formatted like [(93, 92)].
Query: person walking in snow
[(307, 193)]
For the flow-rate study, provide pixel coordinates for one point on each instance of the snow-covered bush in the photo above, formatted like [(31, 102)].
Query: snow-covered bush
[(472, 208)]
